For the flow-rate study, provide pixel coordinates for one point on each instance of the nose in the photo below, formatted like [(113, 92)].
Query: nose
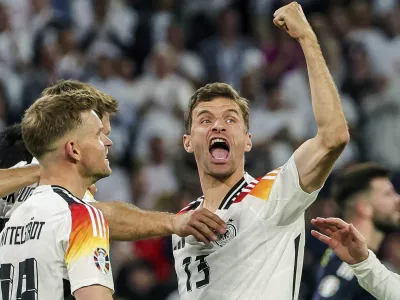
[(218, 126), (106, 140)]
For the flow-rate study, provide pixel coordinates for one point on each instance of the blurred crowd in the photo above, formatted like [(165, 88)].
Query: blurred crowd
[(152, 55)]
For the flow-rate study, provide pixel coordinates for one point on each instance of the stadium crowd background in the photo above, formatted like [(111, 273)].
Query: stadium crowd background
[(152, 55)]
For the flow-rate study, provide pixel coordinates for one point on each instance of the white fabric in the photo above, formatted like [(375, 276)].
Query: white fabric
[(66, 238), (375, 278), (257, 258)]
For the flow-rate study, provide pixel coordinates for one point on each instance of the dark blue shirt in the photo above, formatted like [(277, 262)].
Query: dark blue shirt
[(336, 281)]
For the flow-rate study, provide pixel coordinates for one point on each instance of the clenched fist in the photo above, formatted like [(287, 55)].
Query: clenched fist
[(201, 223), (292, 19)]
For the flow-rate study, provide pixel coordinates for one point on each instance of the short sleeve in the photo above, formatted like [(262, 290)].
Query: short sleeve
[(285, 200), (87, 255)]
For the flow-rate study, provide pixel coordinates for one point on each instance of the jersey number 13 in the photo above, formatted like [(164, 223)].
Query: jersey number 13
[(202, 267)]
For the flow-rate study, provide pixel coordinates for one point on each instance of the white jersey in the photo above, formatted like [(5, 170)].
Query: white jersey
[(375, 278), (261, 254), (53, 244), (9, 203)]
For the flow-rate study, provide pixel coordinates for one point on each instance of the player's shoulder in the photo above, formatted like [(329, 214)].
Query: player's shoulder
[(192, 205)]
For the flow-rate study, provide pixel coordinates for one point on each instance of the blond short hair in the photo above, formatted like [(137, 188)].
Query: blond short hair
[(105, 103), (53, 116)]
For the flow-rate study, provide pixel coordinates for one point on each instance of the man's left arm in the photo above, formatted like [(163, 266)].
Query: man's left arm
[(316, 157), (127, 223)]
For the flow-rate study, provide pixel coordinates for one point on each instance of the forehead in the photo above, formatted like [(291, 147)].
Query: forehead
[(91, 121), (381, 184), (217, 105), (106, 123)]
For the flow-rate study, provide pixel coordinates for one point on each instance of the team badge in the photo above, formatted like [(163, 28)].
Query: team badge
[(329, 286), (228, 235), (102, 260)]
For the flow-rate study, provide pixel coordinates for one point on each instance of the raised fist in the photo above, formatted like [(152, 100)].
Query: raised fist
[(292, 19)]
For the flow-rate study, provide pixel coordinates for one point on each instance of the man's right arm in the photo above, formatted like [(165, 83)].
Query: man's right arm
[(93, 292), (375, 278), (128, 222), (345, 240), (11, 180)]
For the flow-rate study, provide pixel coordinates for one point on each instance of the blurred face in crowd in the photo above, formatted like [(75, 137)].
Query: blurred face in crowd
[(38, 5), (218, 137), (175, 36), (229, 23), (105, 67), (339, 20), (4, 19), (385, 202)]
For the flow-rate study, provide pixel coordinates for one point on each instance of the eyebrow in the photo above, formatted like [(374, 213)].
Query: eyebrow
[(232, 110), (205, 111)]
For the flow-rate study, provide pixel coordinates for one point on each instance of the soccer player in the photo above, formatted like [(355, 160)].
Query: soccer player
[(127, 222), (349, 244), (18, 170), (260, 256), (55, 236), (369, 201)]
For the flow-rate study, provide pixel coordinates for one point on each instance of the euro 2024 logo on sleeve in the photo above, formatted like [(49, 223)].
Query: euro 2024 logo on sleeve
[(102, 260), (228, 235)]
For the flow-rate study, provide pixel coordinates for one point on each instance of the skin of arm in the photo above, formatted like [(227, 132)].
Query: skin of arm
[(315, 158), (93, 292), (127, 222), (11, 180)]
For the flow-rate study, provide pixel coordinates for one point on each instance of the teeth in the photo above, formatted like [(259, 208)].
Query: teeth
[(217, 140)]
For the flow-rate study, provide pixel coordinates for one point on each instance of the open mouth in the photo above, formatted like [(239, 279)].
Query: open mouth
[(219, 149)]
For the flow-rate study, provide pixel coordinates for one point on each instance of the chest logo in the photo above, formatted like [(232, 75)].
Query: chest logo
[(228, 235)]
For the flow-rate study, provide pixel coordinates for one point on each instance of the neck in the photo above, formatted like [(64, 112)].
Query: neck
[(215, 189), (69, 179), (372, 235)]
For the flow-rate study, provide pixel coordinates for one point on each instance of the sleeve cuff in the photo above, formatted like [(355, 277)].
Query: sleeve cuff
[(89, 282), (366, 264)]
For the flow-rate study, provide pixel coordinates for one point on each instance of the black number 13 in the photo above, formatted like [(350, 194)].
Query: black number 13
[(202, 267), (27, 272)]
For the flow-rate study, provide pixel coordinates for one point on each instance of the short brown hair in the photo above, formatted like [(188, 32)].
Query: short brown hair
[(356, 179), (105, 103), (212, 91), (51, 117)]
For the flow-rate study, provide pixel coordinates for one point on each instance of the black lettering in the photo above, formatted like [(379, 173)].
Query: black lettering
[(33, 230), (28, 231), (10, 198), (23, 235), (12, 234), (17, 235), (24, 194), (4, 237), (40, 229)]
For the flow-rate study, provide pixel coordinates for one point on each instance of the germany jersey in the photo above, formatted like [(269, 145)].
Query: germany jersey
[(9, 203), (53, 244), (261, 254)]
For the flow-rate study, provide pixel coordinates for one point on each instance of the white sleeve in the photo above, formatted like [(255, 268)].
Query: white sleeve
[(89, 197), (375, 278), (87, 253), (285, 200)]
